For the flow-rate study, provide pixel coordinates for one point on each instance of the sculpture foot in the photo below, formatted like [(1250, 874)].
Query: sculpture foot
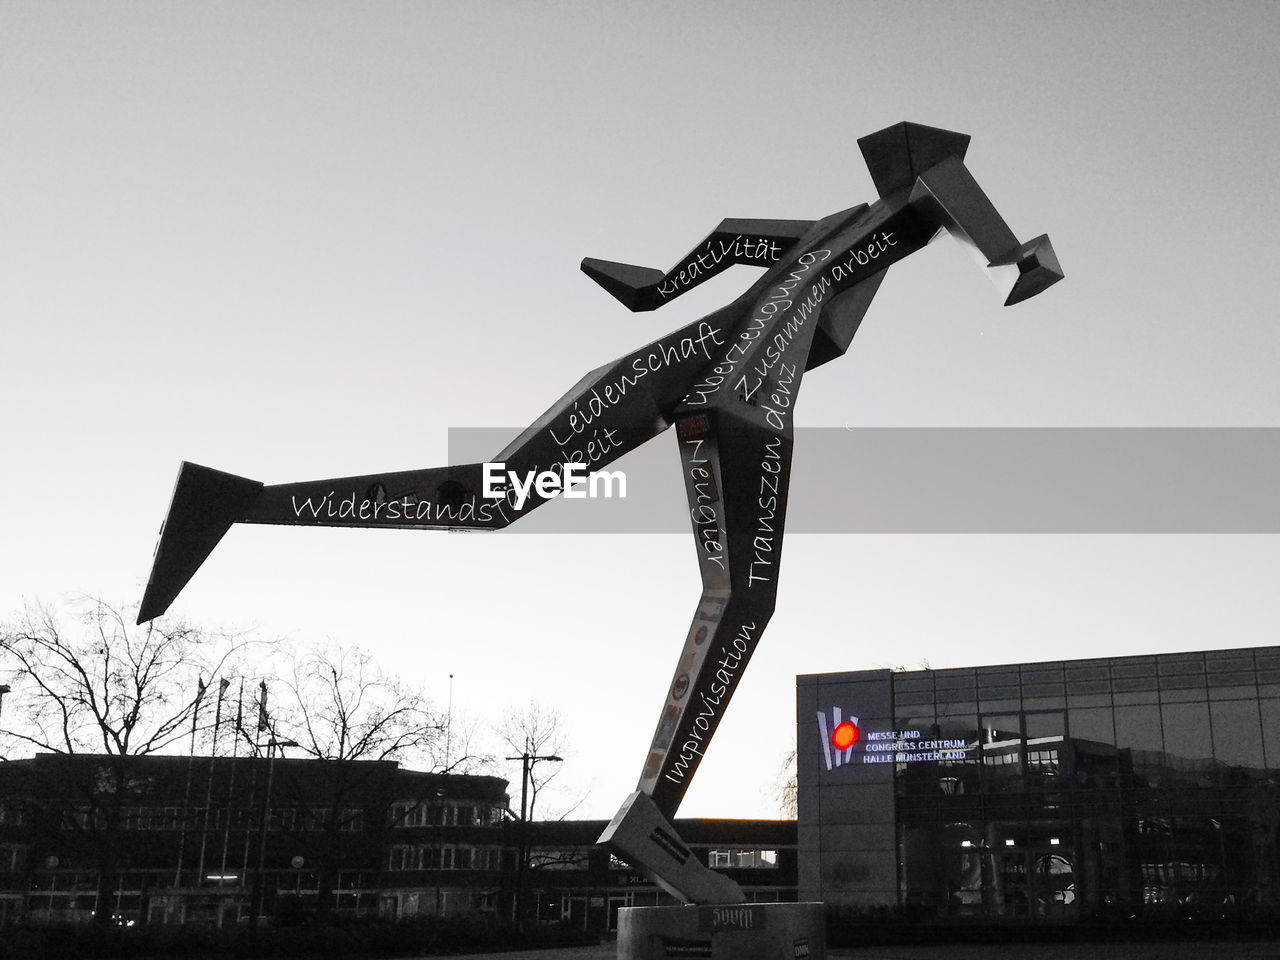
[(645, 839), (205, 504)]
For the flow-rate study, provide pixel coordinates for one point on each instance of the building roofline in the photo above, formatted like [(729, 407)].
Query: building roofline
[(805, 679)]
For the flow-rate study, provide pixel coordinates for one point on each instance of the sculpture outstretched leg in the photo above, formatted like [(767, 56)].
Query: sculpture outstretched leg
[(206, 503), (610, 411)]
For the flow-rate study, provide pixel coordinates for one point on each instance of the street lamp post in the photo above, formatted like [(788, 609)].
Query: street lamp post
[(527, 761), (259, 881)]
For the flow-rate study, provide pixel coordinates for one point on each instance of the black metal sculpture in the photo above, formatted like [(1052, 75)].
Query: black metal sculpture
[(729, 383)]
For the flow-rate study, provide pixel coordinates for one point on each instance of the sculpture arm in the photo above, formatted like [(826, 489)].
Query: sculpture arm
[(759, 243), (948, 194), (926, 165)]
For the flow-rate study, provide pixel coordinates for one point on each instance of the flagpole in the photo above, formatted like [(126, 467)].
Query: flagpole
[(231, 791), (208, 790), (257, 752), (186, 799)]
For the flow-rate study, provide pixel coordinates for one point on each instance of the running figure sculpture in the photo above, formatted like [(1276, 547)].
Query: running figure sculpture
[(729, 383)]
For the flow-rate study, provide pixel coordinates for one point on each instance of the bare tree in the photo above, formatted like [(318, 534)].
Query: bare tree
[(340, 705), (340, 708), (91, 685), (787, 794), (537, 730)]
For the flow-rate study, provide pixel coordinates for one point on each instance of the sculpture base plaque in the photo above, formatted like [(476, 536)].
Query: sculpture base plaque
[(739, 931)]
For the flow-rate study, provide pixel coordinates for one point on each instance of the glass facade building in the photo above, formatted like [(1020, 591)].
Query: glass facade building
[(1071, 790)]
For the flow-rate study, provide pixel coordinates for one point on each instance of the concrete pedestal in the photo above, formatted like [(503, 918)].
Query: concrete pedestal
[(740, 931)]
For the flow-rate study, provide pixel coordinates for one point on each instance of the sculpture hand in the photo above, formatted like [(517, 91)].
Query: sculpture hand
[(635, 287)]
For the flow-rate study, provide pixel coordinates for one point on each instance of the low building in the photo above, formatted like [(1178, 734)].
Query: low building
[(224, 840), (218, 840), (1040, 792)]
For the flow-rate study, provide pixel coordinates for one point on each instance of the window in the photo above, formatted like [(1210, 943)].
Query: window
[(408, 813), (559, 858), (1237, 735), (442, 813), (1093, 746), (1001, 738), (1141, 745), (738, 859), (959, 774), (1188, 750), (353, 880), (1043, 747)]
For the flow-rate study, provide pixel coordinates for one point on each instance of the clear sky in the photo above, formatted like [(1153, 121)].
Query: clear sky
[(294, 241)]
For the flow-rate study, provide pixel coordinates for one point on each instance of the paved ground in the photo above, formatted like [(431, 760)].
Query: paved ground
[(1213, 950), (1072, 951)]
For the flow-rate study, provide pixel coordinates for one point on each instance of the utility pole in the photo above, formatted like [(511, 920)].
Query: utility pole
[(527, 760)]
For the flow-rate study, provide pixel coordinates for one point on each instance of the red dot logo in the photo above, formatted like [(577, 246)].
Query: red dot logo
[(845, 735)]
